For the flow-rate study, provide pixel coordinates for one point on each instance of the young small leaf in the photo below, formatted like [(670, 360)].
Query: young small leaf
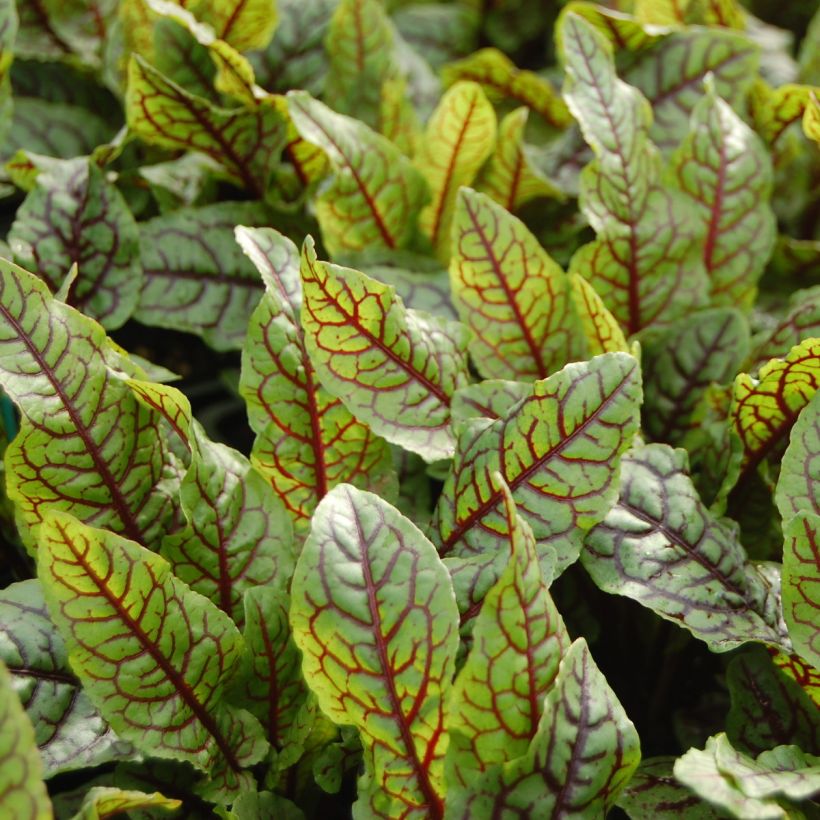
[(374, 615), (102, 802), (22, 791), (661, 546), (375, 194), (510, 293), (394, 368), (73, 215), (725, 170), (150, 636), (460, 136)]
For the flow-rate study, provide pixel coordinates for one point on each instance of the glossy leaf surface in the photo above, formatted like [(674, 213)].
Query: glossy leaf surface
[(378, 634)]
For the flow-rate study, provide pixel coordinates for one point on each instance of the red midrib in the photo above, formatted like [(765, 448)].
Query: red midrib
[(130, 527), (176, 679), (231, 21)]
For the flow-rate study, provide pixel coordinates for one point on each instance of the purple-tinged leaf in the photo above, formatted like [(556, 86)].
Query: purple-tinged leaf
[(583, 753), (662, 547), (86, 445), (460, 136), (134, 631), (394, 368), (196, 277), (420, 290), (725, 170), (801, 584), (681, 363), (654, 792), (68, 730), (510, 293), (644, 263), (375, 618), (307, 441), (375, 194), (518, 642), (74, 216), (558, 451), (768, 707)]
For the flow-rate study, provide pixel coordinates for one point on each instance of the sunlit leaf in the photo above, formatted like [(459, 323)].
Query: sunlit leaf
[(86, 445), (375, 618), (460, 136), (662, 547), (68, 730), (725, 170), (395, 369), (602, 332), (73, 215), (510, 293), (245, 24), (375, 194), (307, 440), (148, 635), (102, 802), (558, 451), (629, 32)]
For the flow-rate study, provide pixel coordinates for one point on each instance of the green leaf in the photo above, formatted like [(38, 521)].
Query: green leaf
[(653, 792), (245, 141), (768, 707), (801, 581), (602, 332), (106, 801), (683, 361), (359, 44), (662, 547), (489, 399), (245, 24), (68, 730), (518, 642), (510, 176), (644, 262), (671, 76), (501, 80), (393, 368), (8, 32), (460, 136), (133, 631), (196, 277), (375, 193), (583, 754), (440, 31), (272, 688), (725, 170), (307, 441), (422, 290), (510, 293), (375, 618), (86, 445), (798, 487), (746, 787), (630, 33), (22, 791), (558, 451), (73, 215)]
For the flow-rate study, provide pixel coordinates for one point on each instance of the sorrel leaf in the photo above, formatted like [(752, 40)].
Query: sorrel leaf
[(798, 487), (394, 368), (518, 642), (107, 801), (245, 24), (196, 278), (510, 293), (73, 215), (643, 263), (582, 755), (662, 547), (21, 784), (69, 732), (86, 445), (602, 332), (375, 194), (725, 170), (8, 32), (307, 441), (683, 361), (460, 136), (801, 577), (567, 434), (245, 141), (375, 618), (489, 399), (150, 636)]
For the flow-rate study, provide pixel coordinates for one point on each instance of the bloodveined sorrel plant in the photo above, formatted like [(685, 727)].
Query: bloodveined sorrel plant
[(491, 484)]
